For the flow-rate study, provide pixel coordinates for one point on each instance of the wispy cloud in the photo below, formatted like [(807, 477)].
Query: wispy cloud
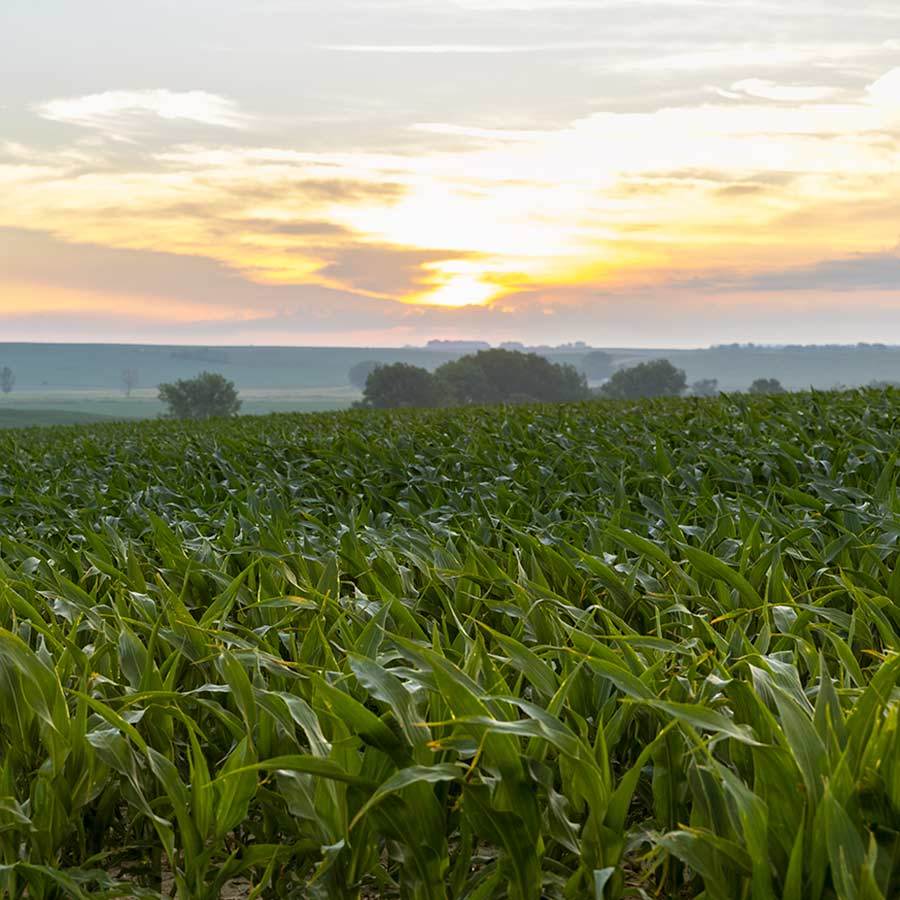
[(115, 110), (727, 56), (467, 48), (886, 90), (864, 271), (782, 93)]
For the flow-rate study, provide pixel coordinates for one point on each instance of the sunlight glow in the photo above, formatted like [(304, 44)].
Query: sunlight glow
[(608, 199), (460, 290)]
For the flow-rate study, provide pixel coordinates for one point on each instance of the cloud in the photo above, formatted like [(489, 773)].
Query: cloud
[(886, 90), (28, 256), (492, 135), (291, 228), (784, 93), (60, 290), (564, 47), (741, 190), (117, 110), (49, 286), (52, 290), (608, 198), (348, 190), (349, 271), (385, 270), (863, 271), (728, 56)]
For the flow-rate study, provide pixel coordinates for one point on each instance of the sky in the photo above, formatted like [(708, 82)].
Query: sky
[(383, 172)]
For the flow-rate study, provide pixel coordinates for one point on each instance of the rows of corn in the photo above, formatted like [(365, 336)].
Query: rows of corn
[(594, 651)]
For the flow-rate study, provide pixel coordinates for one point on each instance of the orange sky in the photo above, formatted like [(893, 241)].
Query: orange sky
[(543, 171)]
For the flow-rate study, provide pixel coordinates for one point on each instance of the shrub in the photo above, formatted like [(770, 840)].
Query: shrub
[(658, 378), (207, 396)]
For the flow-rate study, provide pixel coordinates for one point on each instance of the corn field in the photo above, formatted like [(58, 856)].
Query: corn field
[(590, 651)]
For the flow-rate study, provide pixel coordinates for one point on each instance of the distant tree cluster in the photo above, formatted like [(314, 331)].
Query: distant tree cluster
[(401, 384), (705, 387), (360, 373), (7, 380), (597, 365), (766, 386), (207, 396), (489, 376), (509, 376), (657, 378)]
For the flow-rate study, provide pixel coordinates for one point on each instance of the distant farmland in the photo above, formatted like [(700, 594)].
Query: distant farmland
[(79, 382)]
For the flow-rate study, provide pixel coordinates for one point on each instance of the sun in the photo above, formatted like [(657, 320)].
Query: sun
[(456, 284), (461, 290)]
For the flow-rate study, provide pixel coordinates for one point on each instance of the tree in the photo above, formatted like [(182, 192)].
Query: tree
[(7, 380), (464, 382), (766, 386), (657, 378), (597, 365), (489, 376), (400, 384), (705, 387), (359, 374), (129, 380), (207, 396), (508, 376)]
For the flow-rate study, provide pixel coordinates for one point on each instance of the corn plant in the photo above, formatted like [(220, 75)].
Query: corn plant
[(599, 650)]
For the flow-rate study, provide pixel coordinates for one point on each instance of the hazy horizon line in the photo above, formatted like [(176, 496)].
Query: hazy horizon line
[(565, 346)]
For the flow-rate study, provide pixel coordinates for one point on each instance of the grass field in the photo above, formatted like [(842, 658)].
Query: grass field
[(591, 651), (39, 416), (82, 406)]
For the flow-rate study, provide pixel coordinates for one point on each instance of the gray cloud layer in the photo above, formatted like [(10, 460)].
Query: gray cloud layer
[(279, 58)]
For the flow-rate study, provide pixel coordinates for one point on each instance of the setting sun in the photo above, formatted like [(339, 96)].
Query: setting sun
[(458, 288)]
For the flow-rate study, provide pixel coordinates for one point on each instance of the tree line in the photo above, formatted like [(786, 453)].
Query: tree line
[(484, 378), (510, 376), (659, 378)]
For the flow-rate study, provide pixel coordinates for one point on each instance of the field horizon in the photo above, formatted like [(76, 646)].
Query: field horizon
[(83, 382)]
